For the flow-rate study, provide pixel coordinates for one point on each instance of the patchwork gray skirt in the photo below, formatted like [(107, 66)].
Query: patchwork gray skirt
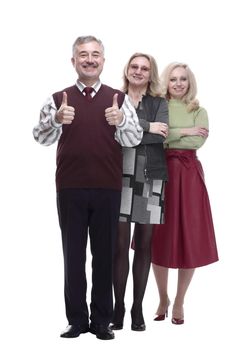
[(142, 200)]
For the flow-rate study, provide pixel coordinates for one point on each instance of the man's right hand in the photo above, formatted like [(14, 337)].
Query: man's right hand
[(65, 113)]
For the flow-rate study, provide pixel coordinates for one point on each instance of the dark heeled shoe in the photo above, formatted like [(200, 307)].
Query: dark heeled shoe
[(177, 321), (138, 327), (116, 326), (138, 323), (118, 318), (161, 317), (177, 316)]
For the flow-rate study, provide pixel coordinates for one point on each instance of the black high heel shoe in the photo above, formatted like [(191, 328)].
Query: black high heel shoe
[(118, 318), (138, 323), (138, 327)]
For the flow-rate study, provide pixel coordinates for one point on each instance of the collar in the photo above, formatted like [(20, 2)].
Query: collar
[(95, 86)]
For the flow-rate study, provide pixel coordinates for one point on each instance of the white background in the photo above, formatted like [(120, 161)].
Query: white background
[(36, 40)]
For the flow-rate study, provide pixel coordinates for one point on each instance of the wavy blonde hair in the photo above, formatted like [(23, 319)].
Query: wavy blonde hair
[(153, 88), (190, 97)]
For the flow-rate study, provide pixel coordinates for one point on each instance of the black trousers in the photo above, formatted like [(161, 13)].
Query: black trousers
[(93, 211)]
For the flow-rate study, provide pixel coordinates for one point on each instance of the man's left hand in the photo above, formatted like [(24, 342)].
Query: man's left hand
[(113, 114)]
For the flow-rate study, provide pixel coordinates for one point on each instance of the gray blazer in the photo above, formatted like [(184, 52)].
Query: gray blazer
[(153, 109)]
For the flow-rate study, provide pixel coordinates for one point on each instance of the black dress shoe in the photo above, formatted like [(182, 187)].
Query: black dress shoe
[(101, 331), (74, 331), (138, 327)]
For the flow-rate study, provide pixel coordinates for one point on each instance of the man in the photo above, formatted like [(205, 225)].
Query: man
[(90, 121)]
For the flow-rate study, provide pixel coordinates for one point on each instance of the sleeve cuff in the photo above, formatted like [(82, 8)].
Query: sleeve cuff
[(54, 123), (122, 123), (144, 124)]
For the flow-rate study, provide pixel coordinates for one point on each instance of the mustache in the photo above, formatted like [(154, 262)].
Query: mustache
[(90, 64)]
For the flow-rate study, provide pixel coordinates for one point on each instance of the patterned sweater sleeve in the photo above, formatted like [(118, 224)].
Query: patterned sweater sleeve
[(48, 130), (129, 133)]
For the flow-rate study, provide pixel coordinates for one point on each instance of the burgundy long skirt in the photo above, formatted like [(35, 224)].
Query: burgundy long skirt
[(187, 238)]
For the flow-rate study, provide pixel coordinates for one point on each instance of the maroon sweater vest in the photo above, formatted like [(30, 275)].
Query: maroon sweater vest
[(88, 156)]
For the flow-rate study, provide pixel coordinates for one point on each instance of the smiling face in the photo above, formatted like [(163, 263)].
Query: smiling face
[(178, 84), (138, 73), (88, 61)]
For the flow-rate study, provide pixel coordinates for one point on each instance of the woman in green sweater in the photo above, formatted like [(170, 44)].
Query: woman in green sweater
[(187, 238)]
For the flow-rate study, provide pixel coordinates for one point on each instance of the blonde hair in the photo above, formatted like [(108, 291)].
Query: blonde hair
[(190, 97), (153, 87)]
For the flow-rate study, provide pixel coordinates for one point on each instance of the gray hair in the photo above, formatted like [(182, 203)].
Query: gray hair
[(86, 39)]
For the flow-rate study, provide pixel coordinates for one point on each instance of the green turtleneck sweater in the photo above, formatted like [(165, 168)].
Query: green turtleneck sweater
[(179, 118)]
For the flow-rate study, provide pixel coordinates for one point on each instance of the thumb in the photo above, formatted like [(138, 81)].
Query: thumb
[(114, 101), (64, 99)]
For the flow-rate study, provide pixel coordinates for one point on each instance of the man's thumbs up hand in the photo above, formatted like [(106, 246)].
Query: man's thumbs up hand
[(112, 114), (65, 113), (115, 101)]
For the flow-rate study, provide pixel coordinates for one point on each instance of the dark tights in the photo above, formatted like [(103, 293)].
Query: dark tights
[(141, 267)]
